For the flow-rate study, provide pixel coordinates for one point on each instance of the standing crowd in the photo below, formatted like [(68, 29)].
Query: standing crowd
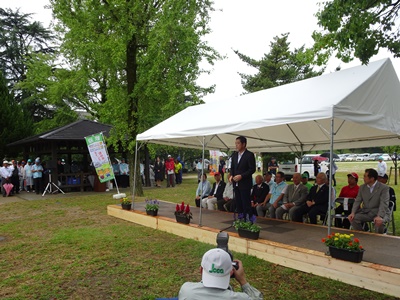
[(21, 176)]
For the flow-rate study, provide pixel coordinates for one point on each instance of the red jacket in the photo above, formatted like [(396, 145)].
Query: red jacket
[(169, 165)]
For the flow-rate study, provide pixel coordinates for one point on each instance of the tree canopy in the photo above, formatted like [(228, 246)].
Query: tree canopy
[(357, 28), (15, 123), (279, 66), (139, 58)]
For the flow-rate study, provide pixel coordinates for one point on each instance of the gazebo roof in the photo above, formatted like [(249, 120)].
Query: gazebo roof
[(75, 131)]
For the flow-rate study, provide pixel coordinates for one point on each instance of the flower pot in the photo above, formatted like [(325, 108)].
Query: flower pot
[(152, 212), (248, 234), (126, 206), (345, 254), (182, 219)]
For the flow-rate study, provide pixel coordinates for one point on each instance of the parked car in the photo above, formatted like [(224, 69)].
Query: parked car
[(386, 156), (362, 157), (305, 165), (342, 157), (374, 156), (351, 157)]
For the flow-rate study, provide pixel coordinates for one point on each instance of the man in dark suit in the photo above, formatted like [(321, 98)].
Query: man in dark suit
[(375, 198), (216, 192), (242, 168), (317, 201), (258, 193)]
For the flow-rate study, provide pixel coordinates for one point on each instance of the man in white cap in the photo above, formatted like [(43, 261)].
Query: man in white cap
[(382, 167), (216, 270), (37, 175)]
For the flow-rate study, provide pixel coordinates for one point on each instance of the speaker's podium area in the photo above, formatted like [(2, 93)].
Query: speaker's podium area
[(294, 245)]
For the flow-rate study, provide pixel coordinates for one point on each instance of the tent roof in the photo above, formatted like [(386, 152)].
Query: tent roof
[(363, 102), (75, 131)]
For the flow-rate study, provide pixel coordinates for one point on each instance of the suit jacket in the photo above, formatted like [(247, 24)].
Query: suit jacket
[(220, 190), (246, 167), (376, 202), (298, 196), (258, 194), (321, 197)]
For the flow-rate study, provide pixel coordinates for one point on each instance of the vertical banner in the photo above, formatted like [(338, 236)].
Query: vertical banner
[(99, 155), (214, 160)]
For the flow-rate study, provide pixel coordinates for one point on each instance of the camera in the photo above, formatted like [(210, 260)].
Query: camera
[(222, 243)]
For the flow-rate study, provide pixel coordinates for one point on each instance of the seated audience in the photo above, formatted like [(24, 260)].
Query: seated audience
[(225, 204), (305, 182), (216, 193), (295, 197), (274, 197), (258, 193), (317, 201), (216, 271), (268, 180), (392, 196), (203, 189), (374, 197), (348, 191)]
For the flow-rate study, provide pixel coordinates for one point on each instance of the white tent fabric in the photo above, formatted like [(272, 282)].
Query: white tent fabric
[(362, 101)]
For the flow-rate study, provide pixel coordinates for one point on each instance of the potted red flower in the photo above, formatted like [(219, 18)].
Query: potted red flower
[(183, 213), (344, 247)]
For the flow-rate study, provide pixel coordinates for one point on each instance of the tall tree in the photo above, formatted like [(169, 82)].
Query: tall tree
[(19, 39), (278, 67), (357, 28), (142, 56), (15, 123)]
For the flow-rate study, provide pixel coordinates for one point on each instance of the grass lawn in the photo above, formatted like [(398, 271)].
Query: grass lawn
[(70, 248)]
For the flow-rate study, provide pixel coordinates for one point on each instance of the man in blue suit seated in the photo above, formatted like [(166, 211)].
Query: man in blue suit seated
[(216, 270)]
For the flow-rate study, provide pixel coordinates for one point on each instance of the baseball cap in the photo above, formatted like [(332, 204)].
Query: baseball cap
[(5, 162), (304, 175), (217, 267), (29, 160), (353, 174), (37, 159), (380, 158), (217, 173), (169, 155), (384, 176)]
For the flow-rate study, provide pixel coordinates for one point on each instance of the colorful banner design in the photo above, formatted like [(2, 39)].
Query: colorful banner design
[(99, 155), (214, 160)]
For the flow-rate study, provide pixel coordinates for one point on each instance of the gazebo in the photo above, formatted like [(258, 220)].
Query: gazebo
[(68, 143)]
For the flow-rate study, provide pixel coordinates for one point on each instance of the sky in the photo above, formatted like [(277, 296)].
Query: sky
[(244, 25)]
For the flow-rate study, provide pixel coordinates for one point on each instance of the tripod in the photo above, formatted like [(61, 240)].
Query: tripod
[(49, 187)]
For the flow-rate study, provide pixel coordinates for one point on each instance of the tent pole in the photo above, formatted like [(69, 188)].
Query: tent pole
[(330, 179), (201, 180), (134, 173)]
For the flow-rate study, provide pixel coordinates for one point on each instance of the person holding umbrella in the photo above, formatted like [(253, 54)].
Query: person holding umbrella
[(5, 177)]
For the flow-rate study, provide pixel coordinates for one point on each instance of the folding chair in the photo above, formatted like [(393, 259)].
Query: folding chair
[(387, 223), (347, 203)]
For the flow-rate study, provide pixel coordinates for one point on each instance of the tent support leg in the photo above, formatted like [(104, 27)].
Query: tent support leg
[(202, 173), (330, 179)]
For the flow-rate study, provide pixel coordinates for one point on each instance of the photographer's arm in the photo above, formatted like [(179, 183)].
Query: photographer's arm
[(240, 277)]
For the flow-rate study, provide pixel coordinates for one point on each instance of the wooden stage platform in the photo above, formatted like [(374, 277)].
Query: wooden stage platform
[(294, 245)]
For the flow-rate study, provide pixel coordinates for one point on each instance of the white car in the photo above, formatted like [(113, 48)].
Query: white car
[(351, 157), (386, 156), (362, 157)]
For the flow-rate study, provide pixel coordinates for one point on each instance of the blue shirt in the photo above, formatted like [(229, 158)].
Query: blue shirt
[(277, 190), (36, 167), (206, 189)]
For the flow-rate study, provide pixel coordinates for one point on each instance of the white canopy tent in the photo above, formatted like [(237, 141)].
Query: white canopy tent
[(353, 108), (363, 102)]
